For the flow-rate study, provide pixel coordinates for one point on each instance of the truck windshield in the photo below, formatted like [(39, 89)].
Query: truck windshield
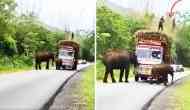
[(148, 55), (143, 53), (66, 53), (156, 54)]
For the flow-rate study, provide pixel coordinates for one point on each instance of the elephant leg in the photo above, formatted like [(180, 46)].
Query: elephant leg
[(47, 65), (112, 76), (165, 79), (121, 75), (126, 74), (36, 65), (39, 65), (53, 62), (172, 76), (106, 76)]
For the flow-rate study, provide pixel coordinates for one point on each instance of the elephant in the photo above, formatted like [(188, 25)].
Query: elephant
[(44, 56), (161, 71), (118, 59)]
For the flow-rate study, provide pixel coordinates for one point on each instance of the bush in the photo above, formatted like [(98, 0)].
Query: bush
[(15, 63)]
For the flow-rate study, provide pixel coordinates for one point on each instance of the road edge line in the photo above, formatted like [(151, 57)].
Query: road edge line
[(149, 103), (47, 105)]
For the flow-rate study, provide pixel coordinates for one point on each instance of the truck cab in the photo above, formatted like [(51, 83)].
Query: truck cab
[(148, 53), (151, 48), (67, 57)]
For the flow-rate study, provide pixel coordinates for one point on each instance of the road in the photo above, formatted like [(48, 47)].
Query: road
[(128, 96), (32, 89), (168, 100), (69, 97)]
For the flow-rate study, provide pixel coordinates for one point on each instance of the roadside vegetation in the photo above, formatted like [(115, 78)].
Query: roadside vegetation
[(23, 34), (88, 88), (115, 29), (182, 96), (183, 45)]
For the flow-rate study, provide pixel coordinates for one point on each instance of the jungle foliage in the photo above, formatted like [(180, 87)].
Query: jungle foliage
[(183, 45), (21, 35), (115, 30)]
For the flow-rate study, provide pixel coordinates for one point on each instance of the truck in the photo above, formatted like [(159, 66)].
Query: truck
[(67, 56), (151, 48)]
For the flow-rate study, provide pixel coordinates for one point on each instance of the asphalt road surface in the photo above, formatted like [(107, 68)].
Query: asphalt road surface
[(128, 96), (32, 89)]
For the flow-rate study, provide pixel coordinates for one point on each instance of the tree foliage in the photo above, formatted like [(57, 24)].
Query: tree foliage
[(7, 30), (183, 45), (22, 35), (88, 47), (114, 30), (32, 35)]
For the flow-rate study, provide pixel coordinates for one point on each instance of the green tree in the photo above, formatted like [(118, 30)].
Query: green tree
[(114, 30), (183, 45), (7, 30), (88, 47)]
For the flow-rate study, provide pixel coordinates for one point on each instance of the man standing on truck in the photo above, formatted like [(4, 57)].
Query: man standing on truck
[(160, 24)]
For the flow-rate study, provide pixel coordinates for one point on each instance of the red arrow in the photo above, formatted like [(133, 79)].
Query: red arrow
[(171, 10)]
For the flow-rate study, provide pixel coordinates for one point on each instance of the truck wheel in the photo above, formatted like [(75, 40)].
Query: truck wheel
[(63, 67), (57, 67), (136, 77), (74, 67), (144, 78), (182, 70), (165, 81)]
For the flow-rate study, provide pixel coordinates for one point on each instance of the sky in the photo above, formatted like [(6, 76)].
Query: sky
[(159, 7), (80, 14), (63, 14)]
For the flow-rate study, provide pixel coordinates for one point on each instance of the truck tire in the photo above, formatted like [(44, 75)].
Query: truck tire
[(63, 67), (57, 67), (165, 82), (182, 70), (144, 78), (74, 67), (136, 77)]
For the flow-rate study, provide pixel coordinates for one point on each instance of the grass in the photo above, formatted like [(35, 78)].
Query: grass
[(8, 70), (87, 87), (100, 71), (182, 96), (15, 64)]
